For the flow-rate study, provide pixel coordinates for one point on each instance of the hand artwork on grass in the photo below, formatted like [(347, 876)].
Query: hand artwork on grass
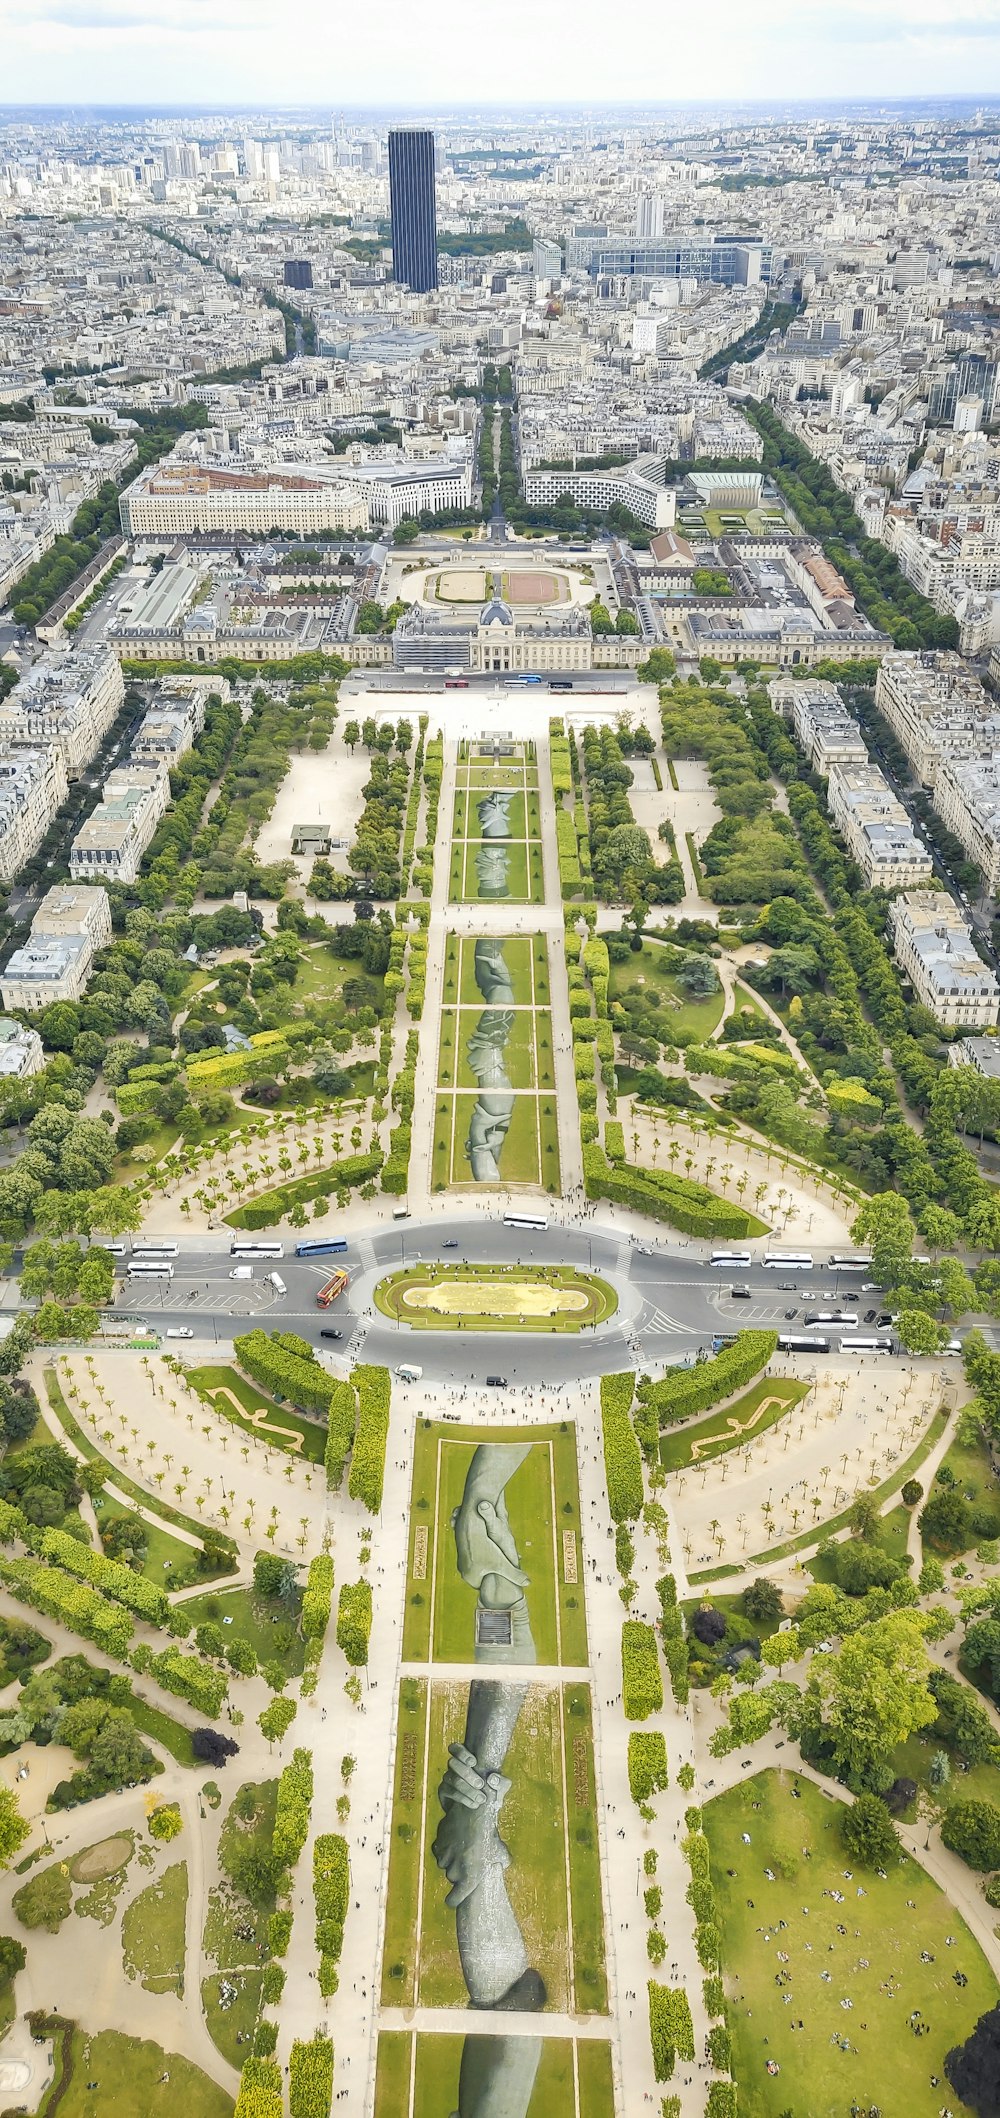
[(486, 1054), (468, 1841), (488, 1557), (493, 811)]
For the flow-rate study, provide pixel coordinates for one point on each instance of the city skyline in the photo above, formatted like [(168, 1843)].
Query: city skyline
[(110, 50)]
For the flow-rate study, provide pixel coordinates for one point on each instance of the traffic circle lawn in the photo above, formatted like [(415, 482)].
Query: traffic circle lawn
[(495, 1298)]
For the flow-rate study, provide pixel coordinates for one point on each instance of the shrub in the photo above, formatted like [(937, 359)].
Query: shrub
[(368, 1461), (341, 1421), (303, 1381), (647, 1764), (291, 1819), (869, 1832), (642, 1685), (662, 1196), (317, 1598), (912, 1492), (684, 1391), (622, 1461), (310, 2078), (108, 1575), (260, 2089), (84, 1610), (354, 1620)]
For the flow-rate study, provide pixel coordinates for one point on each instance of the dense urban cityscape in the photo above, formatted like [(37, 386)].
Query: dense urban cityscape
[(500, 839)]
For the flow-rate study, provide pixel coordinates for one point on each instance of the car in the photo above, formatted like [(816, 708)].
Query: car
[(787, 1287), (327, 1333), (789, 1313), (450, 1243), (179, 1331), (852, 1297), (870, 1315), (739, 1294), (870, 1287), (497, 1382), (884, 1317)]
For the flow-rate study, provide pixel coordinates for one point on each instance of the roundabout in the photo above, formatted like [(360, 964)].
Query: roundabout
[(495, 1298)]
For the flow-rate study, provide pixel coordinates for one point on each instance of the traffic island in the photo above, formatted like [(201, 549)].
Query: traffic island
[(495, 1298)]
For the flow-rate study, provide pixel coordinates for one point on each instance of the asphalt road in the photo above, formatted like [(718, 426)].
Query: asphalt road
[(671, 1299)]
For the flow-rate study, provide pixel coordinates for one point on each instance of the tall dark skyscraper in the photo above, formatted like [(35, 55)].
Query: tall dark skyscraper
[(412, 207)]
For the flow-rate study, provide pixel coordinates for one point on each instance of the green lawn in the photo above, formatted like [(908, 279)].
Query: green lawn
[(890, 1536), (512, 1288), (404, 1858), (526, 958), (529, 1153), (151, 1721), (119, 1479), (762, 1406), (231, 2004), (260, 1416), (527, 1052), (269, 1627), (523, 812), (153, 1932), (543, 1507), (583, 1839), (680, 1020), (437, 2068), (132, 2077), (888, 1929), (975, 1479), (523, 883)]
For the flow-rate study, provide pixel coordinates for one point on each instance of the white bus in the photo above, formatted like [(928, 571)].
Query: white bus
[(787, 1261), (851, 1261), (150, 1269), (154, 1250), (239, 1249), (740, 1258), (526, 1220), (866, 1345), (114, 1250), (794, 1342), (843, 1320)]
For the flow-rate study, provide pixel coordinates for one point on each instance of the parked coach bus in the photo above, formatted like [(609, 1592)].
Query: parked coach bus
[(787, 1260), (150, 1269), (526, 1220), (739, 1258), (320, 1246), (240, 1249), (791, 1342)]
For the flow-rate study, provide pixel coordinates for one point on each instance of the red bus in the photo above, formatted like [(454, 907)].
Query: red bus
[(333, 1286)]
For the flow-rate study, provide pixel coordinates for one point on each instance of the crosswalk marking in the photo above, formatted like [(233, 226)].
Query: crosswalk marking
[(657, 1322)]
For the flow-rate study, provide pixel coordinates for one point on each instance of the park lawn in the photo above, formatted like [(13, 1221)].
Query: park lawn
[(261, 1621), (532, 1825), (746, 1001), (398, 1953), (530, 1150), (886, 2064), (593, 2062), (153, 1932), (682, 1021), (977, 1783), (522, 817), (392, 2074), (522, 954), (586, 1906), (152, 1721), (890, 1537), (518, 887), (731, 1605), (322, 972), (261, 1417), (530, 1497), (134, 2076), (975, 1478), (238, 2019), (166, 1556), (435, 2087), (761, 1407), (459, 1024)]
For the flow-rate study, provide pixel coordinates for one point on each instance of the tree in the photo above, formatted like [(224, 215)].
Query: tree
[(13, 1829), (884, 1223), (919, 1333), (352, 735), (13, 1957), (946, 1521), (972, 1830), (166, 1822), (276, 1719), (212, 1747), (869, 1697), (973, 2068), (273, 1576), (763, 1601), (869, 1832), (864, 1516)]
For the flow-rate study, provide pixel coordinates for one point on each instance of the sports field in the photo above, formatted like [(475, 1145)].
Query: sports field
[(851, 1969), (457, 584), (495, 1298), (527, 1051), (418, 2077), (543, 1509), (548, 1822), (520, 589)]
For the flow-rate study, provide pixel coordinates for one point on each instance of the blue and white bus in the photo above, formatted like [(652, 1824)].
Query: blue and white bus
[(320, 1246)]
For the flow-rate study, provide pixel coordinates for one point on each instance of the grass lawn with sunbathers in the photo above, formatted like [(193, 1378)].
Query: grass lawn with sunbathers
[(832, 1989)]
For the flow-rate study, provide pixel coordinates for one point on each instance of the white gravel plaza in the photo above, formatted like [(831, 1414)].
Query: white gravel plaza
[(320, 787)]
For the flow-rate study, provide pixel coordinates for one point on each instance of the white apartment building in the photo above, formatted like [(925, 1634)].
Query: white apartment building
[(68, 700), (967, 799), (171, 724), (32, 785), (932, 944), (21, 1050), (982, 1053), (110, 845), (637, 486), (172, 499), (937, 709), (824, 729), (68, 928), (397, 489), (876, 830)]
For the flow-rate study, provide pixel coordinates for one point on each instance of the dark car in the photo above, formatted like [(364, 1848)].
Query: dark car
[(852, 1297), (869, 1316), (327, 1333), (789, 1313), (884, 1317), (787, 1287), (450, 1243), (497, 1382), (740, 1294)]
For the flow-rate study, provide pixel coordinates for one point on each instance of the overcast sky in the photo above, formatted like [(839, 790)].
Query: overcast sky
[(473, 52)]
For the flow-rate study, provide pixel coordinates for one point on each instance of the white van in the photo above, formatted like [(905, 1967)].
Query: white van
[(407, 1374), (275, 1280), (242, 1272)]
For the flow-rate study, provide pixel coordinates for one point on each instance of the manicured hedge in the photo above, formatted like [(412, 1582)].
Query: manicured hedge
[(119, 1582), (622, 1461), (642, 1684), (663, 1196), (685, 1391), (559, 765), (202, 1686), (647, 1763), (675, 1652), (291, 1819), (276, 1205), (341, 1422), (570, 875), (368, 1460), (354, 1620), (260, 2090), (310, 2078), (317, 1598), (740, 1062), (331, 1897), (57, 1595), (304, 1382)]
